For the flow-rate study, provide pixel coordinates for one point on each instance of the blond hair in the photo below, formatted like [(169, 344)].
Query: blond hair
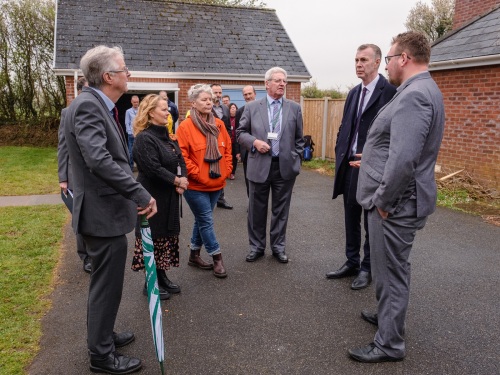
[(148, 104)]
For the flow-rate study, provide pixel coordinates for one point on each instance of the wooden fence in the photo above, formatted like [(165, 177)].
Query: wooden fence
[(322, 118)]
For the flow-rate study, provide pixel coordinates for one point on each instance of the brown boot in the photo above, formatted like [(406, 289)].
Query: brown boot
[(196, 261), (219, 270)]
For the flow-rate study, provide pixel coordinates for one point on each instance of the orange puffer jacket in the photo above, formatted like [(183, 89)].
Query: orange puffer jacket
[(193, 145)]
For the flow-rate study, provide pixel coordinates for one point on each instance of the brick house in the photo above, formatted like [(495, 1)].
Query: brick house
[(466, 65), (172, 45)]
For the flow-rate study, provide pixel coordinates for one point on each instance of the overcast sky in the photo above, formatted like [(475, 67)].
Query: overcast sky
[(327, 33)]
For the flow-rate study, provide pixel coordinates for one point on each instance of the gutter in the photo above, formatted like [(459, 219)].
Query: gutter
[(470, 62)]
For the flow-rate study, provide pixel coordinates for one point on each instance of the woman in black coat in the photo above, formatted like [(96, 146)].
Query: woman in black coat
[(162, 171)]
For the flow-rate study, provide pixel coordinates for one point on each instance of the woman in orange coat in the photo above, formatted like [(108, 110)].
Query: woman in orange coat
[(206, 148)]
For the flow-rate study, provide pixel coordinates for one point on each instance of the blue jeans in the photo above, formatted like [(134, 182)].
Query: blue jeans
[(202, 204), (130, 140)]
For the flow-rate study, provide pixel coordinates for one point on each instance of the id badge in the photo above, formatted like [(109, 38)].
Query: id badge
[(272, 136)]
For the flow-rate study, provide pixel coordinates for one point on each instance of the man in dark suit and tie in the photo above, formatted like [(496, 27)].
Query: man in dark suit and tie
[(362, 104), (271, 131), (397, 187), (106, 200)]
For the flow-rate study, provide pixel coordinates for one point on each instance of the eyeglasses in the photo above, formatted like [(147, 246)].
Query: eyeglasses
[(388, 58), (125, 69), (279, 81)]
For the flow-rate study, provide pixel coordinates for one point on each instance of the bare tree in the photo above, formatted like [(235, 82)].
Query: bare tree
[(434, 20)]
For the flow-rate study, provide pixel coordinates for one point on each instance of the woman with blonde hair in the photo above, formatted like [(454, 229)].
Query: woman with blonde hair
[(206, 147), (162, 171)]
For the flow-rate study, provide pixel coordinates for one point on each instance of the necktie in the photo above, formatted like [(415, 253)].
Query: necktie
[(354, 140), (117, 120), (275, 143)]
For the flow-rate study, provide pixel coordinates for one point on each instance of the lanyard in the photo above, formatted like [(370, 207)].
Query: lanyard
[(275, 120)]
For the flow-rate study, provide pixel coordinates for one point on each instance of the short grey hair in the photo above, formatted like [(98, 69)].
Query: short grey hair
[(195, 91), (273, 71), (98, 61)]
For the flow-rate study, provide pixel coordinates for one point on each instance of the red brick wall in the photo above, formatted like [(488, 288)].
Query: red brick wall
[(466, 10), (472, 130)]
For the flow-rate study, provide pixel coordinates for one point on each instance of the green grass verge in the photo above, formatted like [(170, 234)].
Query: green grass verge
[(321, 166), (28, 170), (30, 238)]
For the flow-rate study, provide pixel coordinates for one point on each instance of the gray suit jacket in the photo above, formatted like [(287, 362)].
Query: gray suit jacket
[(402, 147), (63, 164), (254, 124), (106, 195)]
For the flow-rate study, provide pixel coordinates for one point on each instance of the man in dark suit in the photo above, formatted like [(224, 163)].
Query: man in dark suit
[(221, 111), (106, 200), (65, 177), (249, 96), (397, 187), (362, 104), (271, 131)]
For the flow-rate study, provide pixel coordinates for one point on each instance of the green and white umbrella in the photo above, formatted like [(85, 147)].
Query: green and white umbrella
[(153, 291)]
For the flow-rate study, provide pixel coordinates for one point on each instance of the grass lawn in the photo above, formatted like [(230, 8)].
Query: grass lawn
[(28, 170), (30, 238)]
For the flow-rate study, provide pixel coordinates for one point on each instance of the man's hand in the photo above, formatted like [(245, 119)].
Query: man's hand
[(356, 163), (150, 210), (261, 146), (383, 214), (64, 186)]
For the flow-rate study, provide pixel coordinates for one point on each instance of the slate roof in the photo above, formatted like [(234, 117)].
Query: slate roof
[(172, 36), (477, 39)]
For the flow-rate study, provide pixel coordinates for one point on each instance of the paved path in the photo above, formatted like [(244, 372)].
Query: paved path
[(271, 318), (30, 200)]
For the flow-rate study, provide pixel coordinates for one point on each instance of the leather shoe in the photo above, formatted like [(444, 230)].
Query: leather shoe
[(371, 354), (123, 338), (370, 317), (254, 255), (87, 264), (115, 363), (223, 204), (362, 281), (282, 258), (343, 271)]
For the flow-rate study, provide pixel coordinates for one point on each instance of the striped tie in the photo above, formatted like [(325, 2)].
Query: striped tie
[(275, 143)]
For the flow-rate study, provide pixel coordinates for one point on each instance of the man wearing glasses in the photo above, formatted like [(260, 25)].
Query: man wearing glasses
[(106, 200), (362, 104), (271, 130), (397, 187)]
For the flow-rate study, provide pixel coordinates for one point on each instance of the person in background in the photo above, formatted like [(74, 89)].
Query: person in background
[(106, 200), (206, 147), (271, 130), (362, 105), (65, 177), (226, 100), (397, 187), (173, 110), (162, 171), (236, 147), (129, 120)]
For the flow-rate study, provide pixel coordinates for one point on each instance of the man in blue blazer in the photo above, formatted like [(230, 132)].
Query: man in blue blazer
[(271, 130), (106, 200), (362, 104), (397, 187)]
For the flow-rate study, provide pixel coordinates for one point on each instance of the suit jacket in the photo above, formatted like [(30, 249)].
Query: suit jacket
[(63, 163), (239, 113), (382, 93), (402, 147), (254, 124), (106, 195)]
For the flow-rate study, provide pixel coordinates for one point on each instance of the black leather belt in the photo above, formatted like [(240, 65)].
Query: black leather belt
[(275, 159)]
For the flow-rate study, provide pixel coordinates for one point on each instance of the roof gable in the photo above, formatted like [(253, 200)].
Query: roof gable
[(161, 36)]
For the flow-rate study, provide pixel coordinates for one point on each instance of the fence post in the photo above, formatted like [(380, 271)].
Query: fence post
[(325, 126)]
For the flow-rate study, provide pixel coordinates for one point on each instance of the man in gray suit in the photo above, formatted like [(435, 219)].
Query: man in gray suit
[(397, 187), (106, 200), (65, 177), (271, 130)]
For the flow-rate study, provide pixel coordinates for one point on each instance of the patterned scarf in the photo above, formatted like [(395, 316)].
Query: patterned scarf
[(211, 133)]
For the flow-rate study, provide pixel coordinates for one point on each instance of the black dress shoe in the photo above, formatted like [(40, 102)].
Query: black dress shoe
[(223, 204), (343, 271), (164, 294), (370, 317), (87, 264), (282, 258), (254, 255), (371, 354), (123, 338), (115, 363), (362, 281)]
